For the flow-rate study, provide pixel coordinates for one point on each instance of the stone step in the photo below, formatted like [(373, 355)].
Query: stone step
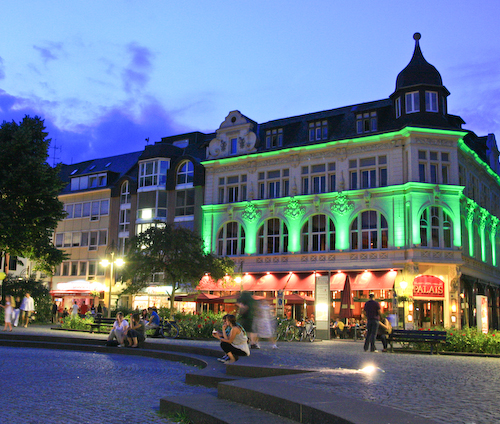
[(208, 409), (310, 406)]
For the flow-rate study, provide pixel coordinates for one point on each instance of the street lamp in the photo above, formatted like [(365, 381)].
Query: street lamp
[(118, 262)]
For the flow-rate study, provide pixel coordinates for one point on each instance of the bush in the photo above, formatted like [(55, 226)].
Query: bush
[(467, 340), (198, 326), (74, 322)]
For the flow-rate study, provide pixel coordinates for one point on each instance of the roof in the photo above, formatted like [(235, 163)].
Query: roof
[(418, 71)]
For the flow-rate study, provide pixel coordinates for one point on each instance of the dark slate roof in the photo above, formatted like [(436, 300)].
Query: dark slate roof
[(114, 166), (418, 71)]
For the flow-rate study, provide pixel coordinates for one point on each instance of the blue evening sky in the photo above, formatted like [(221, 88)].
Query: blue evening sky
[(105, 75)]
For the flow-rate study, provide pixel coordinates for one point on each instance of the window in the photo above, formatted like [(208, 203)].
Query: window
[(234, 146), (397, 106), (124, 223), (94, 209), (272, 237), (369, 231), (274, 184), (314, 179), (433, 167), (274, 138), (318, 234), (318, 130), (153, 173), (235, 187), (83, 269), (366, 122), (184, 203), (431, 101), (152, 205), (412, 102), (185, 174), (435, 228), (231, 240), (125, 193), (368, 172)]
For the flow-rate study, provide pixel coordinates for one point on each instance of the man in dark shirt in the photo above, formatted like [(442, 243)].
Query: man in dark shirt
[(372, 312)]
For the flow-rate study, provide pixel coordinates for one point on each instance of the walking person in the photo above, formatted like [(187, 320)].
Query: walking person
[(27, 307), (16, 312), (7, 313), (74, 310), (372, 312)]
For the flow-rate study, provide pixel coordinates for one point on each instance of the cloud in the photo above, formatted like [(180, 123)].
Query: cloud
[(51, 52), (116, 131), (136, 75)]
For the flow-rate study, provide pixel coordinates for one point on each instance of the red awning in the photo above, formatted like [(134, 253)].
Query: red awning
[(337, 282), (375, 280), (196, 297)]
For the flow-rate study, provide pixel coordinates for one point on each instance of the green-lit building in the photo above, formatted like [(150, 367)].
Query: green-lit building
[(393, 194)]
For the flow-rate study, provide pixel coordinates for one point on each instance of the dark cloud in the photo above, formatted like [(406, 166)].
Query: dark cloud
[(50, 52), (115, 133), (136, 74)]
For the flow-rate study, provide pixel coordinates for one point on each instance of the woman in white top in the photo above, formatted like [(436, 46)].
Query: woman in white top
[(120, 329), (235, 344), (7, 313)]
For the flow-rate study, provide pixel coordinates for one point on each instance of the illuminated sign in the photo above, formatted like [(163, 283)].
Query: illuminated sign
[(428, 286)]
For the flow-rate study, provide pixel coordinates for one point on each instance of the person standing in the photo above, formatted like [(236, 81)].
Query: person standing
[(28, 307), (74, 310), (17, 311), (8, 313), (54, 312), (246, 313), (372, 312)]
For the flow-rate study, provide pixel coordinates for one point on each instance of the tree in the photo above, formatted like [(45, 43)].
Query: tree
[(29, 188), (176, 254)]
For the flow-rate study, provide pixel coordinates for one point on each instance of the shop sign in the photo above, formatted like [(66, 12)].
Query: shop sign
[(82, 285), (428, 286)]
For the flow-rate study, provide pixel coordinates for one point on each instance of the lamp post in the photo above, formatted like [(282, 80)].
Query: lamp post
[(403, 284), (112, 279)]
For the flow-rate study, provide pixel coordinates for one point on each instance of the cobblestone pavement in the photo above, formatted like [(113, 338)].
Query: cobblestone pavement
[(450, 389), (55, 386)]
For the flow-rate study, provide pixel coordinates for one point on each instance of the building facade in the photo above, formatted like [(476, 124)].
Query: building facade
[(394, 196)]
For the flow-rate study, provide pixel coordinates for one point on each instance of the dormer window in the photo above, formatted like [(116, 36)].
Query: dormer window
[(397, 105), (431, 101), (366, 122), (412, 102), (153, 173), (318, 130), (274, 138)]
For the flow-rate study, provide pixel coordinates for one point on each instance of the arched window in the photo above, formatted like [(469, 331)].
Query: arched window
[(273, 237), (231, 240), (435, 228), (318, 234), (369, 230), (185, 173), (125, 193)]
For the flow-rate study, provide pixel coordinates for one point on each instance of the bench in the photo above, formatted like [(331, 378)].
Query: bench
[(434, 338), (102, 322), (167, 328)]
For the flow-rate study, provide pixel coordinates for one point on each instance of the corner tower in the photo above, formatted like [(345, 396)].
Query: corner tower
[(420, 98)]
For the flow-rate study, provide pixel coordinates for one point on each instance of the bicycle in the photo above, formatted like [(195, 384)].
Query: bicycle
[(285, 330), (167, 328), (307, 331)]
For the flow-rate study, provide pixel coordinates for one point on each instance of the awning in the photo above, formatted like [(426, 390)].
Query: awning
[(374, 280), (196, 297)]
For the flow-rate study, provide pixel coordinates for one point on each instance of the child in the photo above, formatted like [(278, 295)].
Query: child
[(7, 313)]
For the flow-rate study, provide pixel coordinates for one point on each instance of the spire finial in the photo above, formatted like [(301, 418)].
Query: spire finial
[(416, 36)]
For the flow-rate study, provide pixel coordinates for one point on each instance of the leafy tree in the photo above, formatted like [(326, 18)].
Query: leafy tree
[(174, 252), (37, 290), (29, 188)]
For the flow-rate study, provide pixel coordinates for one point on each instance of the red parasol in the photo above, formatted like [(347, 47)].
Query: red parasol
[(346, 304)]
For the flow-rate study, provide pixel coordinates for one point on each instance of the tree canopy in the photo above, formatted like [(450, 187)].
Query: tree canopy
[(29, 188), (175, 254)]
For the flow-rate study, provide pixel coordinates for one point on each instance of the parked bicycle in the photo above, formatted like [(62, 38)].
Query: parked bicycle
[(285, 330), (167, 328)]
